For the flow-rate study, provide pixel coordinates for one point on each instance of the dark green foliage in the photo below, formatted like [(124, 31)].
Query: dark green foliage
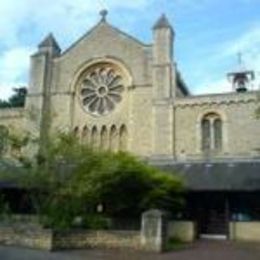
[(4, 104), (95, 221), (176, 245), (16, 100), (70, 180), (5, 211)]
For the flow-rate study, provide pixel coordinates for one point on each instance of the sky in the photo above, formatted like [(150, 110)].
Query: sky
[(209, 34)]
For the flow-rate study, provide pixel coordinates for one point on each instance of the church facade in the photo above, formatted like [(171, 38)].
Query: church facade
[(115, 92)]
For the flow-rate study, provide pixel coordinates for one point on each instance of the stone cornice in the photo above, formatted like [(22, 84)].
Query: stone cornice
[(218, 99)]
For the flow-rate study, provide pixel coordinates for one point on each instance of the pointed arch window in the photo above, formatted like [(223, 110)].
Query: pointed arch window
[(206, 134), (76, 132), (94, 137), (217, 134), (123, 138), (113, 139), (104, 138), (85, 135), (211, 132)]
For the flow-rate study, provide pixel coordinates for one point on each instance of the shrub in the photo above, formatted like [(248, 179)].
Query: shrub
[(70, 180)]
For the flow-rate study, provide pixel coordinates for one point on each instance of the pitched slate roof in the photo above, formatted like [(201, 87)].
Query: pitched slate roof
[(202, 176), (218, 176)]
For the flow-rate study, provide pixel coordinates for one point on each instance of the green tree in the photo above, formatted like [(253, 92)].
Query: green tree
[(71, 180), (16, 100)]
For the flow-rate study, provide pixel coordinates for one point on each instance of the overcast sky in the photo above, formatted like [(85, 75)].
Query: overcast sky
[(209, 34)]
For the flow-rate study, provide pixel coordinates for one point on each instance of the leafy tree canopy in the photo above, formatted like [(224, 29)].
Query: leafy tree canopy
[(16, 100), (71, 180)]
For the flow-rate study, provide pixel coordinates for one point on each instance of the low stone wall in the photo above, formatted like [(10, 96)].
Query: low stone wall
[(36, 238), (153, 235), (96, 239), (244, 231), (52, 240), (182, 230)]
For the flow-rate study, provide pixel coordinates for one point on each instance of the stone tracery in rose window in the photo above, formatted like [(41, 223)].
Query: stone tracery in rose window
[(101, 89)]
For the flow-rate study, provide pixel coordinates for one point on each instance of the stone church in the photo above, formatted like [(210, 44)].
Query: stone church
[(115, 92)]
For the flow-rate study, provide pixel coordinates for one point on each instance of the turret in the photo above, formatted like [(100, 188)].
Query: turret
[(163, 59), (50, 45), (164, 88), (38, 98), (163, 41)]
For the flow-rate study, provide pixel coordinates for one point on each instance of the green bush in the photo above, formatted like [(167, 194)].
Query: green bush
[(95, 222), (70, 180)]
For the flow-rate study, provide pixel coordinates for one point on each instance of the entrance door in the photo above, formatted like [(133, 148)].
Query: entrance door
[(213, 216)]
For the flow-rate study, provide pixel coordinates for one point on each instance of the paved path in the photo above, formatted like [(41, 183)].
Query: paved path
[(202, 250)]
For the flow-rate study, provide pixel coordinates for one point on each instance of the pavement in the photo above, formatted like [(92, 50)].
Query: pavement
[(201, 250)]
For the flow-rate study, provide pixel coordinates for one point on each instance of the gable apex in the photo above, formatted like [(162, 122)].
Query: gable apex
[(104, 25)]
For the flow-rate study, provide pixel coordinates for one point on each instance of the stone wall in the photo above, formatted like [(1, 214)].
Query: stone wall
[(105, 44), (12, 118), (184, 231), (244, 231), (237, 112), (96, 239), (25, 237), (152, 236), (46, 239)]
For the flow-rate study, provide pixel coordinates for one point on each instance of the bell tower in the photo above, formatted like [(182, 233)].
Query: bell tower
[(241, 78)]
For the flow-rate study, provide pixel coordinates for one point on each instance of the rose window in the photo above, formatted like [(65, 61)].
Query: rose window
[(101, 90)]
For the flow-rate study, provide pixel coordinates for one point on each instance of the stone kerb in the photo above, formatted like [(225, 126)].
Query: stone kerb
[(154, 230)]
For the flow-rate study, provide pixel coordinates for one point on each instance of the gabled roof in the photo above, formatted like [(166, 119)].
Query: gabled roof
[(104, 23), (162, 22)]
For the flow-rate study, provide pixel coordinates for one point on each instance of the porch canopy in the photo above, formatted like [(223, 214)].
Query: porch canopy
[(217, 176)]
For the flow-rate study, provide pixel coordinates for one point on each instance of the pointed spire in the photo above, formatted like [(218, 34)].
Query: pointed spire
[(162, 22), (50, 42)]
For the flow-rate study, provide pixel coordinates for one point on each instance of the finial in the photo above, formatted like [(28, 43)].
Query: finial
[(103, 14)]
